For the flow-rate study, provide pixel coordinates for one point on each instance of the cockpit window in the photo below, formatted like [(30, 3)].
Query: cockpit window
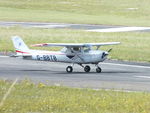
[(71, 50), (87, 49), (64, 50), (77, 49)]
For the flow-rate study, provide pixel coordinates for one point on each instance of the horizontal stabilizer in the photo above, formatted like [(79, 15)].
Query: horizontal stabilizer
[(24, 55)]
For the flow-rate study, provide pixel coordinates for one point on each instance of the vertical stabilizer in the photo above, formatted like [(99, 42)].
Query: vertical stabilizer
[(20, 46)]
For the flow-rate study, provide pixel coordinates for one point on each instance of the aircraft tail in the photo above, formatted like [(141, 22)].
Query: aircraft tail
[(20, 46)]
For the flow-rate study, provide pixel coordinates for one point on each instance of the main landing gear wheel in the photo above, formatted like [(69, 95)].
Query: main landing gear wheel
[(69, 69), (98, 70), (87, 68)]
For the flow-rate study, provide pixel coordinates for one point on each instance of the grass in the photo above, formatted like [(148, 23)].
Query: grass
[(28, 97), (114, 12), (134, 45)]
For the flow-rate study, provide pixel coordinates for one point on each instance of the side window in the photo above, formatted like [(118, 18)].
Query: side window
[(86, 49), (77, 49), (64, 50)]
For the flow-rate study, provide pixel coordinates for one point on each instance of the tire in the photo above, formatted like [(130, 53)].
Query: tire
[(87, 68), (69, 69), (98, 70)]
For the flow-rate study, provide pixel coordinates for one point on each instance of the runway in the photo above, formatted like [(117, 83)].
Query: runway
[(115, 74), (86, 27), (129, 76)]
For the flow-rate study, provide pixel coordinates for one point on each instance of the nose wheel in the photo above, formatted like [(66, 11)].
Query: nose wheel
[(98, 70), (69, 69)]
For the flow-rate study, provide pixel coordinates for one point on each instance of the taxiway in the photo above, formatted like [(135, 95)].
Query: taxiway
[(86, 27), (115, 75)]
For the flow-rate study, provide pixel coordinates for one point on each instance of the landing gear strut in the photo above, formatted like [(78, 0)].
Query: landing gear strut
[(69, 69)]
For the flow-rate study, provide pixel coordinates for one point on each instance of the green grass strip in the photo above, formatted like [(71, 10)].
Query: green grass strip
[(135, 46), (114, 12), (40, 98)]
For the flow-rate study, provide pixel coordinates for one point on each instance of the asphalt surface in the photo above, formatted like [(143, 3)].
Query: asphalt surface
[(115, 75), (55, 25), (87, 27)]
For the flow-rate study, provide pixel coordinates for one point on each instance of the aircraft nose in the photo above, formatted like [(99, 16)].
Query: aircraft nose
[(104, 54)]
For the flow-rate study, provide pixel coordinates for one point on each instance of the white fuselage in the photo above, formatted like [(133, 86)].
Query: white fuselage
[(79, 53), (92, 56)]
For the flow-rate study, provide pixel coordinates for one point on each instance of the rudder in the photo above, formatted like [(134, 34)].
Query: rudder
[(19, 44)]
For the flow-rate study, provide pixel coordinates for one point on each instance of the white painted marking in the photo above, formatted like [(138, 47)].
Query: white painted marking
[(143, 77), (137, 66), (122, 29), (132, 8), (50, 26), (8, 92), (4, 56), (117, 90)]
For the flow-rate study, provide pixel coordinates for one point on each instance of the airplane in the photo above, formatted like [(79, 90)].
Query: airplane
[(74, 53)]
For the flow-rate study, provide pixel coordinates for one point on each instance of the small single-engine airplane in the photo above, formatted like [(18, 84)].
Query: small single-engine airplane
[(71, 53)]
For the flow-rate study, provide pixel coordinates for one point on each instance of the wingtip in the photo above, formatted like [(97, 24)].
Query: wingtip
[(118, 42)]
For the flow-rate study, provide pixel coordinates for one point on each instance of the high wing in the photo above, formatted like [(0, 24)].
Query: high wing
[(75, 44)]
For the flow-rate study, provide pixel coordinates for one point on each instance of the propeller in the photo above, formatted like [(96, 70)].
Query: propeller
[(109, 50), (104, 54)]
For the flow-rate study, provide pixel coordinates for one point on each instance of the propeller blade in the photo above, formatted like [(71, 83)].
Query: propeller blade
[(110, 50)]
